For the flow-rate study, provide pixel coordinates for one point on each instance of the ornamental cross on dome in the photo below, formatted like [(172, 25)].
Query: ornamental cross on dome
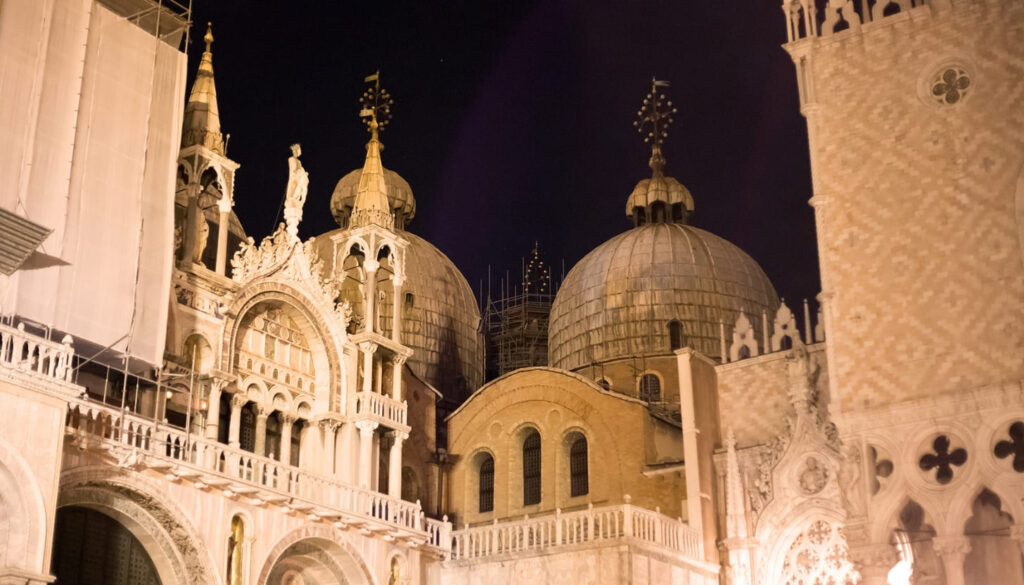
[(376, 105), (653, 121)]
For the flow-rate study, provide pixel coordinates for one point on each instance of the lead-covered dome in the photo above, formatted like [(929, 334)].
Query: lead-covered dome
[(620, 299)]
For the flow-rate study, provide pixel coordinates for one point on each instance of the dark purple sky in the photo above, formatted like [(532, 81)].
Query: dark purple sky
[(513, 121)]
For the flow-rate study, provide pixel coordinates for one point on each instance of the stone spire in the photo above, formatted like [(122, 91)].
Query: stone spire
[(202, 117), (371, 204)]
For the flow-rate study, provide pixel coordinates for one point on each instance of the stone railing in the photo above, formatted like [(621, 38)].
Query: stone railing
[(382, 409), (35, 356), (606, 523), (139, 442)]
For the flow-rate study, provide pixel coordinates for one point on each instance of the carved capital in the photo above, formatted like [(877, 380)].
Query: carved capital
[(330, 425), (262, 410), (874, 558), (398, 360), (368, 347), (218, 384), (238, 400), (224, 204), (398, 436), (370, 265), (397, 280), (366, 427), (287, 418), (954, 546)]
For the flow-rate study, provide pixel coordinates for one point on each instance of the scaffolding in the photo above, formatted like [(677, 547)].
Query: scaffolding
[(516, 324), (167, 20)]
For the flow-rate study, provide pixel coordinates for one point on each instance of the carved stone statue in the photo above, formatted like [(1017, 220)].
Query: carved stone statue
[(295, 195), (202, 235)]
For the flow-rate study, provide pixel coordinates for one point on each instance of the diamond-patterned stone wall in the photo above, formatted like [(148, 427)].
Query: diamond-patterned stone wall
[(914, 196)]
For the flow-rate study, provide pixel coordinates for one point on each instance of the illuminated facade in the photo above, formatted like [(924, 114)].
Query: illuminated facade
[(310, 412)]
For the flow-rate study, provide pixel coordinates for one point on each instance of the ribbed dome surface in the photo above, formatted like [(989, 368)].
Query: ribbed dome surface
[(619, 299), (442, 326), (403, 204)]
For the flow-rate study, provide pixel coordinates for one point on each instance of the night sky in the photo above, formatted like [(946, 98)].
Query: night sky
[(513, 121)]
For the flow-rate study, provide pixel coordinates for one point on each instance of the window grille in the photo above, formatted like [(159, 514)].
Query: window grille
[(578, 480), (650, 388), (531, 469), (487, 484)]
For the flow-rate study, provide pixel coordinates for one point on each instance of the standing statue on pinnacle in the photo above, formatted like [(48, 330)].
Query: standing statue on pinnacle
[(295, 195)]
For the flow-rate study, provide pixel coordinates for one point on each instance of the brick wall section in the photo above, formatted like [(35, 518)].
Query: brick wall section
[(754, 394), (919, 245)]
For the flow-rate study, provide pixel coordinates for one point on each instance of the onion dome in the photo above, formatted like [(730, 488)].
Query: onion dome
[(399, 193), (663, 284)]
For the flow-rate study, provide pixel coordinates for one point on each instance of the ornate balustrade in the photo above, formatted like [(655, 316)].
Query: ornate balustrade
[(140, 442), (34, 356), (382, 409), (606, 523)]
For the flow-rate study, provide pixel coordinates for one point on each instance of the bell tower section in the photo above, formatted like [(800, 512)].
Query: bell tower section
[(915, 118)]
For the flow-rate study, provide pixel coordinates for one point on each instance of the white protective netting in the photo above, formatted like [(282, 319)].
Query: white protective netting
[(90, 106)]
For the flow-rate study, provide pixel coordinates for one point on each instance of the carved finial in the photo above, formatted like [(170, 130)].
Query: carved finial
[(376, 106), (654, 117), (371, 205), (208, 37)]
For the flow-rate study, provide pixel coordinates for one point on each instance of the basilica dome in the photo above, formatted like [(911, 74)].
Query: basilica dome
[(619, 301)]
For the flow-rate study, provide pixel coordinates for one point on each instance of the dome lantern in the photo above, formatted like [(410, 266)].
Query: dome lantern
[(659, 199)]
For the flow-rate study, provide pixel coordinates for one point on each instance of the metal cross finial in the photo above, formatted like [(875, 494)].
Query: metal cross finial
[(654, 117), (376, 102)]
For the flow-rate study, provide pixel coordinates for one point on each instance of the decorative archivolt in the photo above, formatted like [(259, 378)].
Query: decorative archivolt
[(284, 256)]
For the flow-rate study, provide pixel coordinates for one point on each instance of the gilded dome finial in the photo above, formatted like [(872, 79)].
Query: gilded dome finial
[(654, 117), (376, 106), (208, 37), (371, 205)]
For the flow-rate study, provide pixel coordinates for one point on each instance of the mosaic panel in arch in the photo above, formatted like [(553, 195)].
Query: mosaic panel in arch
[(819, 557)]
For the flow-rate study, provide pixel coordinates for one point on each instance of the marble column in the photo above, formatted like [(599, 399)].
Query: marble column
[(287, 420), (368, 350), (370, 266), (213, 409), (328, 434), (192, 215), (366, 429), (224, 206), (395, 464), (396, 308), (952, 549), (874, 562), (260, 447), (237, 402), (396, 376)]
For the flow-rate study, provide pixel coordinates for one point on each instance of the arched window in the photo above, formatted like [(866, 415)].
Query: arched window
[(487, 484), (579, 484), (676, 340), (247, 428), (650, 388), (531, 469)]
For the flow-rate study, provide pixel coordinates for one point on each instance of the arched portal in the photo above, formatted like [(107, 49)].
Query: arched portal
[(139, 507), (92, 548), (314, 555)]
